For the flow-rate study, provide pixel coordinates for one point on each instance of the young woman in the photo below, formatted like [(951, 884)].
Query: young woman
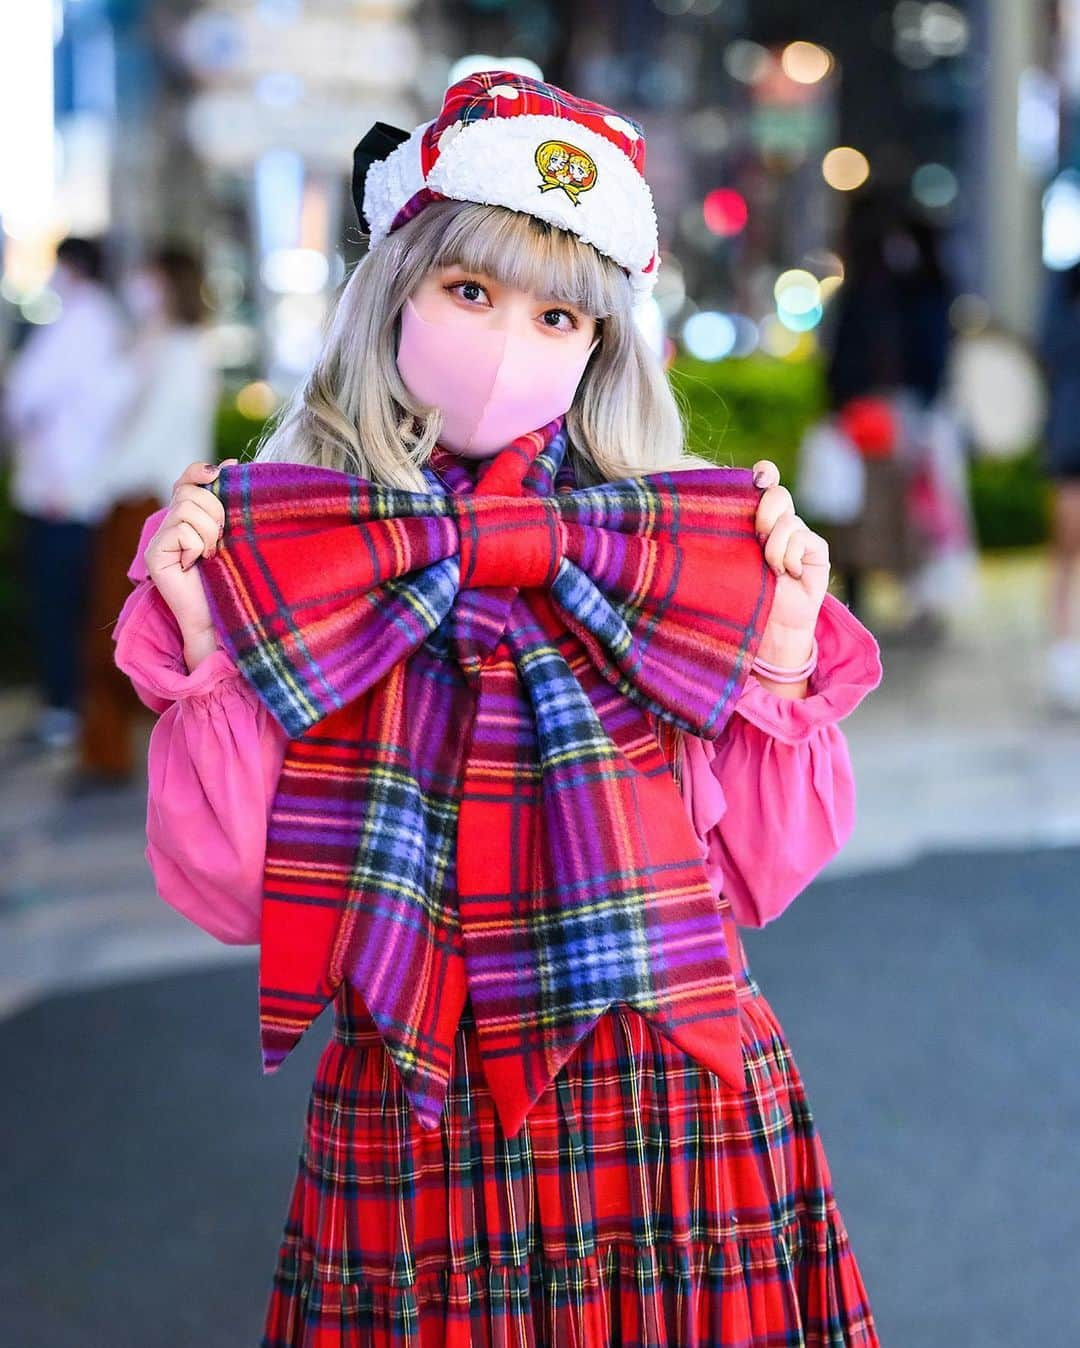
[(642, 1198)]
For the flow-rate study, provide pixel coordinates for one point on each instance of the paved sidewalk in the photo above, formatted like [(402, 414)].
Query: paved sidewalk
[(958, 748)]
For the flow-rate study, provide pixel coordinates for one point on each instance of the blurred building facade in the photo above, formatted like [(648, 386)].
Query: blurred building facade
[(229, 125)]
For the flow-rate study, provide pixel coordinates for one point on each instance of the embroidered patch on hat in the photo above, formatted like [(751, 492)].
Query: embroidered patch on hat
[(564, 165)]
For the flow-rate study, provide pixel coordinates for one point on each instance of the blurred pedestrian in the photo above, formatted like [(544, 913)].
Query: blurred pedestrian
[(60, 409), (889, 341), (168, 388), (1060, 347)]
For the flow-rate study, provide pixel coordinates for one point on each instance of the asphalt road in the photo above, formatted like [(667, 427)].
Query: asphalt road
[(933, 1011)]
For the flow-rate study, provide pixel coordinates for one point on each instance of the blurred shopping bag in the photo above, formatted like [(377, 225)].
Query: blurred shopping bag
[(934, 509), (830, 476), (938, 504)]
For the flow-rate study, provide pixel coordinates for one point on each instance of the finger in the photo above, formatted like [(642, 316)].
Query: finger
[(776, 543), (198, 518), (775, 501), (205, 500), (805, 549), (190, 544), (198, 472), (766, 473)]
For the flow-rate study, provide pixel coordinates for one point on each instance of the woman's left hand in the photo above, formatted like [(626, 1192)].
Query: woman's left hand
[(799, 557)]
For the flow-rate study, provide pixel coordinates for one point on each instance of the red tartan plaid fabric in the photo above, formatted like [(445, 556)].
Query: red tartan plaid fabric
[(475, 799), (643, 1203)]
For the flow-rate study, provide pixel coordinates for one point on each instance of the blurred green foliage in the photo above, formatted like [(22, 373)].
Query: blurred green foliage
[(1011, 501), (739, 411), (235, 435)]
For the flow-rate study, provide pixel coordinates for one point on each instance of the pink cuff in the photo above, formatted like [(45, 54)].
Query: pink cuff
[(149, 649), (849, 667)]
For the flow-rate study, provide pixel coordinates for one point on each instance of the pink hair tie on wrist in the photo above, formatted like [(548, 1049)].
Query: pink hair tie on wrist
[(782, 674)]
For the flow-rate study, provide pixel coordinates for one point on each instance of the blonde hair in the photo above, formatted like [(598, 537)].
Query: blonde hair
[(354, 414)]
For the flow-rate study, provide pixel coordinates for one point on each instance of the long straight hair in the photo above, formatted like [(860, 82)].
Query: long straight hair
[(354, 413)]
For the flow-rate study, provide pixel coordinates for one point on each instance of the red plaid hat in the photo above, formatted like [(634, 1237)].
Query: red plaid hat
[(506, 139)]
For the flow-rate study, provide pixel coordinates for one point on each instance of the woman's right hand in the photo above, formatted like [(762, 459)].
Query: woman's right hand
[(191, 529)]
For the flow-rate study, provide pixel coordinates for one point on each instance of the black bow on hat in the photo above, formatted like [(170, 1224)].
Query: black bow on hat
[(377, 144)]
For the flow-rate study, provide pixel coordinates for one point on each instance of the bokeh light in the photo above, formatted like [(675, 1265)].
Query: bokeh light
[(944, 29), (747, 337), (1061, 221), (776, 339), (725, 211), (806, 62), (797, 291), (256, 400), (804, 347), (845, 168), (42, 308), (969, 314), (934, 185), (710, 335), (746, 61), (296, 271), (802, 321), (799, 305), (469, 65), (828, 286)]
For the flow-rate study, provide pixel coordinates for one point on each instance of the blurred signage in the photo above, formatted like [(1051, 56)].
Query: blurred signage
[(344, 47), (304, 77), (232, 128)]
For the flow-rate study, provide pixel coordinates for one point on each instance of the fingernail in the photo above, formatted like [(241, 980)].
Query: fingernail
[(759, 479), (210, 467)]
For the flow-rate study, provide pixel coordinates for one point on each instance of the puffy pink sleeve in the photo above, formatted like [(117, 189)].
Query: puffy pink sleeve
[(214, 758), (773, 800)]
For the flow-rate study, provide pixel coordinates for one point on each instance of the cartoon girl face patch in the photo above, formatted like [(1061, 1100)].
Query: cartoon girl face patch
[(564, 165)]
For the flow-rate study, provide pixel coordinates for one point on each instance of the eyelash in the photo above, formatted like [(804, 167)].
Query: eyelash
[(468, 281)]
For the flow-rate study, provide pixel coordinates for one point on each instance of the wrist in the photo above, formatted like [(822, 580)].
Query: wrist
[(197, 646), (788, 647)]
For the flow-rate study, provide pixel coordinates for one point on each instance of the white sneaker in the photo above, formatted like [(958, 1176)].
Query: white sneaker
[(1063, 675)]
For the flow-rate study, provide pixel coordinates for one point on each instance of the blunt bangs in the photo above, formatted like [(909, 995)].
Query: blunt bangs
[(523, 252)]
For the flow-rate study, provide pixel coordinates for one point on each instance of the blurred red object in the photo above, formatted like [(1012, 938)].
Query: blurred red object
[(725, 211), (870, 424)]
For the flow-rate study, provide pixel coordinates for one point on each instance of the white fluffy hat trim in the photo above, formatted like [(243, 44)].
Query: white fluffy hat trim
[(495, 161)]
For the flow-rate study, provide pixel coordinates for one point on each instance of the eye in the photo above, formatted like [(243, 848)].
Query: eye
[(566, 314), (465, 285)]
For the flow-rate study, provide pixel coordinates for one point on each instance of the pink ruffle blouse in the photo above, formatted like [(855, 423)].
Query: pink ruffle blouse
[(772, 801)]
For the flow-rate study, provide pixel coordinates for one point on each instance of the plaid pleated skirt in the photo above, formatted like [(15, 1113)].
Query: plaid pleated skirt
[(642, 1204)]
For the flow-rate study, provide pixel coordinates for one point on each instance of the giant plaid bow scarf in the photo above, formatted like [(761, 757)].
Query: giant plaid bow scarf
[(475, 798)]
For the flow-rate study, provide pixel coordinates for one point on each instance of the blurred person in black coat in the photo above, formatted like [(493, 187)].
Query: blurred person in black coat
[(888, 340), (1060, 347)]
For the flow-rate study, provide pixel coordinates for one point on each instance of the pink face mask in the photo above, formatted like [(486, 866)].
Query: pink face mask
[(490, 386)]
